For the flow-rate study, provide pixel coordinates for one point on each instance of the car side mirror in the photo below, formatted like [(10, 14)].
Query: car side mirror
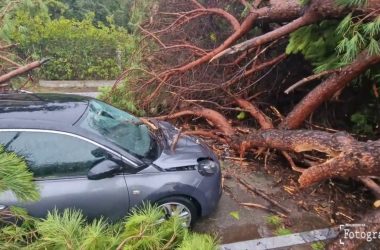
[(103, 169)]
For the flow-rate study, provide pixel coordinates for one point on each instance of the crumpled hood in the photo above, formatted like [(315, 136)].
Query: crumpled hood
[(187, 151)]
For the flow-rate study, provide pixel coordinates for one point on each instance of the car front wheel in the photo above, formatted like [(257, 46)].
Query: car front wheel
[(181, 207)]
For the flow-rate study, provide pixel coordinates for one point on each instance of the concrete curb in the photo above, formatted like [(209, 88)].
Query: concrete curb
[(76, 84), (284, 241)]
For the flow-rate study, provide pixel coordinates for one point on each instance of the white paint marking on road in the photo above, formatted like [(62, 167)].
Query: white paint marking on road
[(284, 241)]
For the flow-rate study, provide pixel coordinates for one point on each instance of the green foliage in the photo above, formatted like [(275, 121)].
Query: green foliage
[(143, 231), (15, 236), (140, 11), (357, 3), (213, 37), (246, 9), (235, 215), (332, 44), (241, 116), (318, 44), (79, 49), (195, 241), (280, 231), (14, 176), (357, 36), (274, 220), (304, 2), (119, 10), (365, 121), (320, 245), (121, 97), (70, 230), (277, 222)]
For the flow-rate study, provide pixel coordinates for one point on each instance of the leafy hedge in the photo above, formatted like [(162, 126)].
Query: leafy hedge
[(79, 49)]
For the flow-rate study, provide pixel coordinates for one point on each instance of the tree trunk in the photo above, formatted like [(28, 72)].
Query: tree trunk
[(347, 156)]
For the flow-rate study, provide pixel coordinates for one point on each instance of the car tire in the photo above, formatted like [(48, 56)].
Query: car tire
[(180, 205)]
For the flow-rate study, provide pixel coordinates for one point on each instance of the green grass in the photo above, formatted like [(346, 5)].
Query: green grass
[(274, 220), (318, 245), (282, 231)]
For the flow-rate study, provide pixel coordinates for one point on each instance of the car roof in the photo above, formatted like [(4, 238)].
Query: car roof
[(61, 109)]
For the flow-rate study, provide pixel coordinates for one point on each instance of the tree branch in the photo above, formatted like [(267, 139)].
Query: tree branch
[(21, 70), (327, 89)]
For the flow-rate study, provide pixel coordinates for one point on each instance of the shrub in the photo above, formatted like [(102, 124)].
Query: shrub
[(70, 230), (79, 49)]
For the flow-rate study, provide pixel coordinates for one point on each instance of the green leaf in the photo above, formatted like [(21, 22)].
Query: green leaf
[(15, 176), (373, 47), (274, 220), (213, 37), (241, 116), (357, 3), (304, 2), (345, 24), (235, 215), (282, 231)]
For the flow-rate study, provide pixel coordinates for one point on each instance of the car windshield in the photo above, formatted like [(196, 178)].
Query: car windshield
[(119, 127)]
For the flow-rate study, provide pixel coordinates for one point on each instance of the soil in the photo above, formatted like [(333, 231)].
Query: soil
[(324, 205)]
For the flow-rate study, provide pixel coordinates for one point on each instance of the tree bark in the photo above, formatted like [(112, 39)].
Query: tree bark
[(347, 156), (21, 70), (327, 89), (316, 11), (215, 118)]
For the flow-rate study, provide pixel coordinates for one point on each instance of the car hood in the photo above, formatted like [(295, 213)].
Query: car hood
[(187, 151)]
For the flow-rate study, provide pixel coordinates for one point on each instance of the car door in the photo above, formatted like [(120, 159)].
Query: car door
[(60, 163)]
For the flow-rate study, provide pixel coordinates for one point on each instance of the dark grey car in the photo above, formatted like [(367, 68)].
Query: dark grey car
[(88, 155)]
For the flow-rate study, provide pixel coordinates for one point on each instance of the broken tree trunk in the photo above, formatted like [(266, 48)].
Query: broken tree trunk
[(347, 157)]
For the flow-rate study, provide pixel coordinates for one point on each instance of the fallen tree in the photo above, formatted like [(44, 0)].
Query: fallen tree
[(347, 157), (214, 93)]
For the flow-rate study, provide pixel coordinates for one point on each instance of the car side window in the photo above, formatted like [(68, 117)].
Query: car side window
[(51, 155)]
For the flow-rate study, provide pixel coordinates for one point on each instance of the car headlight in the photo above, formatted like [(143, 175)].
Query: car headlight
[(207, 167)]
